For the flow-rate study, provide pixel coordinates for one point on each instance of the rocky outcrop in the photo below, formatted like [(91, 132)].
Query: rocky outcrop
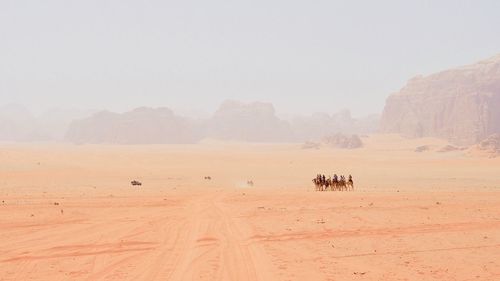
[(422, 148), (140, 126), (254, 122), (490, 145), (311, 145), (450, 148), (461, 105), (343, 141)]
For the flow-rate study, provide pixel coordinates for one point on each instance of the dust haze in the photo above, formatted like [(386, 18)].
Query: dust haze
[(278, 140)]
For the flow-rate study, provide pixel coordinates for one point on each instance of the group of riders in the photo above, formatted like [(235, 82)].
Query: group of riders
[(333, 183)]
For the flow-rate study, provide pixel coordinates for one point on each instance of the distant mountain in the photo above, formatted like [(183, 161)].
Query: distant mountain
[(255, 121), (18, 124), (320, 125), (139, 126), (55, 122), (233, 121), (461, 105)]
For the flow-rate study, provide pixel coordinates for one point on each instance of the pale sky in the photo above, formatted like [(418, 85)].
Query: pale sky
[(303, 56)]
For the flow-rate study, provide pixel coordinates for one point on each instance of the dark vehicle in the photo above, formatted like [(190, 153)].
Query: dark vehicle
[(134, 183)]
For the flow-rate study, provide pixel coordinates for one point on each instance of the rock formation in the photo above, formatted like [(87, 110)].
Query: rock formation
[(490, 145), (140, 126), (254, 122), (461, 105), (343, 141), (450, 148), (233, 121), (422, 148)]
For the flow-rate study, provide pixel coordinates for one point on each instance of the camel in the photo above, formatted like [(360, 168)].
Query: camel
[(317, 184), (322, 185), (333, 184), (350, 185), (341, 184)]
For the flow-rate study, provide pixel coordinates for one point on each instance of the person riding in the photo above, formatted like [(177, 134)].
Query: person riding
[(324, 179), (335, 178), (350, 178)]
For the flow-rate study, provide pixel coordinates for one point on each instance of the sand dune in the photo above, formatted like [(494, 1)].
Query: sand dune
[(70, 213)]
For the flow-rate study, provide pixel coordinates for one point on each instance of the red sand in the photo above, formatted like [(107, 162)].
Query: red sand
[(413, 216)]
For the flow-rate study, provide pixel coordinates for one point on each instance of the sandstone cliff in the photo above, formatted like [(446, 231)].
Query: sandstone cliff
[(461, 105)]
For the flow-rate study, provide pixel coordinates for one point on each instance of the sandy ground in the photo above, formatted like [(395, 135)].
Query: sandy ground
[(69, 213)]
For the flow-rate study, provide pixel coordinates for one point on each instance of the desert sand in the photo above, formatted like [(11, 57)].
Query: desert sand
[(68, 212)]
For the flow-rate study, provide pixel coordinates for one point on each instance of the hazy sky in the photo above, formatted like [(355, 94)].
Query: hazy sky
[(303, 56)]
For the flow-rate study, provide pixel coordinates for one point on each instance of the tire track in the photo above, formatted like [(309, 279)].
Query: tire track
[(213, 250), (409, 230)]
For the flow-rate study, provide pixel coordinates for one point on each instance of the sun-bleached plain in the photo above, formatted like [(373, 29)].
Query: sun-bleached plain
[(69, 213)]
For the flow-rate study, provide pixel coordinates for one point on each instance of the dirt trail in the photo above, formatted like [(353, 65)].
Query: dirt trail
[(193, 240), (76, 217), (213, 249)]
